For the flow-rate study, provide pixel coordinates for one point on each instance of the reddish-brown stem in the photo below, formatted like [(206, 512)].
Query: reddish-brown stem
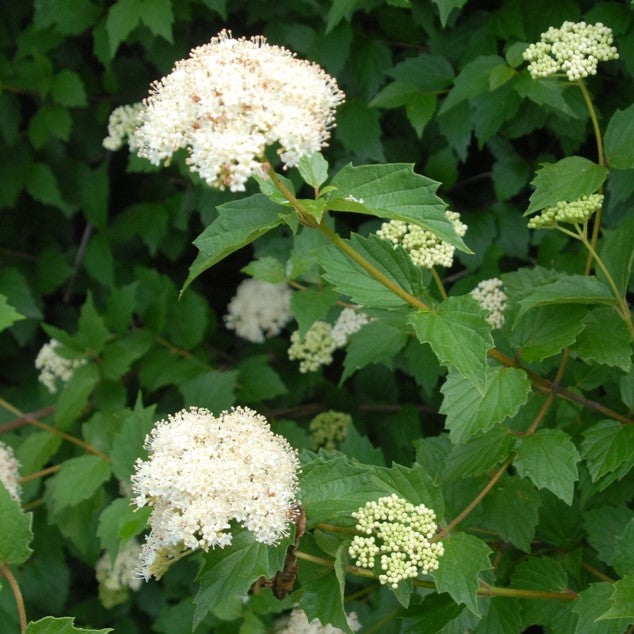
[(19, 601), (26, 419), (40, 474)]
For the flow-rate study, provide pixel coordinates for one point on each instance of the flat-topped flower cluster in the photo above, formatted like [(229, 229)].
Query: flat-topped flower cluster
[(491, 297), (205, 473), (575, 49), (400, 533), (230, 100), (55, 368), (9, 471), (424, 247)]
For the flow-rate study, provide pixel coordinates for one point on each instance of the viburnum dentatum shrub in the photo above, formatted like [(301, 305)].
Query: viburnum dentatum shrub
[(389, 388)]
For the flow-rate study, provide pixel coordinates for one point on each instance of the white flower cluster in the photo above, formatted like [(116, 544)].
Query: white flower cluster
[(424, 247), (116, 578), (575, 48), (54, 367), (573, 212), (321, 340), (205, 472), (329, 428), (259, 310), (122, 124), (229, 100), (401, 533), (9, 471), (492, 298), (297, 623)]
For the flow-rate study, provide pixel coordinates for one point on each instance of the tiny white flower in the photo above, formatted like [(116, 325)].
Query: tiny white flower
[(297, 623), (122, 124)]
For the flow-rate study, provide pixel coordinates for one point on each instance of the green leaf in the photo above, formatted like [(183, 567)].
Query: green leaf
[(492, 109), (420, 109), (425, 72), (230, 571), (214, 390), (310, 305), (92, 333), (158, 17), (120, 521), (445, 7), (15, 530), (258, 381), (49, 120), (503, 617), (436, 611), (322, 593), (63, 625), (517, 527), (546, 93), (472, 80), (75, 394), (394, 95), (349, 278), (470, 411), (606, 446), (187, 320), (239, 223), (93, 192), (127, 445), (623, 559), (592, 344), (604, 524), (339, 10), (413, 484), (313, 169), (68, 89), (478, 455), (267, 269), (394, 191), (617, 252), (619, 139), (8, 314), (123, 17), (77, 480), (333, 486), (459, 335), (359, 131), (567, 180), (70, 17), (42, 186), (540, 573), (375, 342), (622, 600), (591, 604), (549, 459), (118, 356), (546, 330), (569, 289), (465, 557)]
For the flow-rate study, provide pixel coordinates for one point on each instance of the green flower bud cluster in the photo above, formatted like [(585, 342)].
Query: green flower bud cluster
[(575, 48), (424, 247), (329, 428), (314, 349), (571, 212), (400, 532)]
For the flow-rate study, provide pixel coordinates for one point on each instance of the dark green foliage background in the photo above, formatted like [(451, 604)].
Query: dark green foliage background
[(98, 245)]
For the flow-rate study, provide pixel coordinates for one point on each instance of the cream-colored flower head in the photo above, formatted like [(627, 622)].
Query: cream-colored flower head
[(53, 367), (400, 533), (575, 48), (205, 473), (424, 247), (259, 310), (9, 471), (229, 100), (491, 297), (297, 623)]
